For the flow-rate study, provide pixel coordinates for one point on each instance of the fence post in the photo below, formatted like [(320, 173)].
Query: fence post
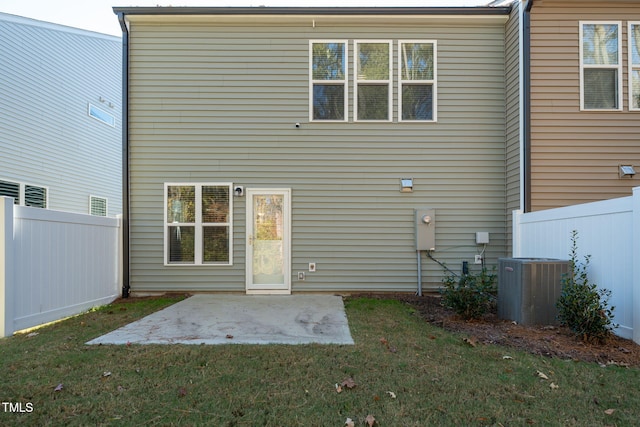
[(6, 267), (516, 246), (635, 261)]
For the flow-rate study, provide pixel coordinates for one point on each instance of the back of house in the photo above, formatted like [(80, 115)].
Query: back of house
[(585, 101), (279, 150), (60, 126)]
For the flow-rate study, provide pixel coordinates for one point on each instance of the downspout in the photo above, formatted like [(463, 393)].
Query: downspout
[(526, 107), (125, 157)]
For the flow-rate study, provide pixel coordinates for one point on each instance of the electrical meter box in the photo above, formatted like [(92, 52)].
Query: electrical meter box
[(425, 225)]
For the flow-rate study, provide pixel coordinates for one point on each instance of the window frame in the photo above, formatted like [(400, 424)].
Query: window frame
[(631, 66), (22, 193), (103, 116), (618, 66), (359, 82), (433, 82), (344, 82), (198, 225)]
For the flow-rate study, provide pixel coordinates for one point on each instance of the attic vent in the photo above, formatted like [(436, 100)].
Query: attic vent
[(10, 189), (97, 206), (35, 196)]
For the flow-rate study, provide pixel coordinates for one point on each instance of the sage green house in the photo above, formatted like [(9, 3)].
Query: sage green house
[(279, 150)]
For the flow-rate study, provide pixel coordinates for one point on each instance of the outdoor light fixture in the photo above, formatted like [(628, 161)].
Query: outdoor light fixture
[(626, 171), (406, 185)]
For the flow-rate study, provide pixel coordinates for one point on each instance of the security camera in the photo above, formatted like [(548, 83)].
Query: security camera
[(297, 125), (238, 190)]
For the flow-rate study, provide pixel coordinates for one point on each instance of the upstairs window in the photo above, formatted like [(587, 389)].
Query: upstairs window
[(601, 66), (198, 224), (373, 80), (634, 65), (24, 194), (417, 79), (328, 80)]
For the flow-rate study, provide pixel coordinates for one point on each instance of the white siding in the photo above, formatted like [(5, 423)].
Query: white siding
[(48, 76)]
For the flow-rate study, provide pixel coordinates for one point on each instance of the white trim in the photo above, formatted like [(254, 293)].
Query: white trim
[(433, 83), (344, 82), (356, 81), (631, 65), (264, 289), (584, 66), (198, 224)]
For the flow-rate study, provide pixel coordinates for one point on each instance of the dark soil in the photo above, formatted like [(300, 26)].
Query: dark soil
[(549, 341)]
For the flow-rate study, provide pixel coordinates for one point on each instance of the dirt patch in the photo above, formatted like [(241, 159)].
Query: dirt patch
[(549, 341)]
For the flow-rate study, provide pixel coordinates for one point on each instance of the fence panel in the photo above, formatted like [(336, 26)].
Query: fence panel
[(605, 231), (63, 264)]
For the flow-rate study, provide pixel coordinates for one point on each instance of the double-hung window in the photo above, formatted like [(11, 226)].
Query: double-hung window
[(417, 80), (328, 78), (198, 224), (373, 89), (634, 65), (600, 66)]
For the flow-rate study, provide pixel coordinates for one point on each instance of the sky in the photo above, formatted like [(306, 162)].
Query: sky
[(97, 15)]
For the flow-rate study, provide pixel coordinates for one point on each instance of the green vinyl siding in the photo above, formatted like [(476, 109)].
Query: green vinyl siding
[(211, 103)]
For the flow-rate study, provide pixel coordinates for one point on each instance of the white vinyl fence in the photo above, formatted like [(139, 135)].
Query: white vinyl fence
[(609, 231), (54, 264)]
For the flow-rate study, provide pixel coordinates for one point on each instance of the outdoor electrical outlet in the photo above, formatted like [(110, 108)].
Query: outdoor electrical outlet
[(300, 275), (312, 267), (478, 259)]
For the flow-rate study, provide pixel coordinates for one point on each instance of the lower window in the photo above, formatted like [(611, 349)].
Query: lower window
[(198, 224)]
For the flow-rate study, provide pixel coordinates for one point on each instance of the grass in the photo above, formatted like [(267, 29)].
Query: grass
[(437, 378)]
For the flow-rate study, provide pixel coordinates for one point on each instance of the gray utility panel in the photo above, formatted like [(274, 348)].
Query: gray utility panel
[(528, 289)]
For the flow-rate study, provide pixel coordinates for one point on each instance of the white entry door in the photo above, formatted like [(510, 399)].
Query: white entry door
[(268, 241)]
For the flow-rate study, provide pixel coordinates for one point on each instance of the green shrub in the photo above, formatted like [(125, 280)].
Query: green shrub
[(470, 296), (582, 306)]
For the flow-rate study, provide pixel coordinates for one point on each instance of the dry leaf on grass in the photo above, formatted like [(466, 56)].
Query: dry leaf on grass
[(338, 388), (472, 341), (507, 357), (392, 394), (542, 375), (349, 423), (609, 411), (370, 420), (553, 386), (348, 383), (58, 387)]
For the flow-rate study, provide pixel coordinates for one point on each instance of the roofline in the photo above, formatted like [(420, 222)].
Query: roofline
[(23, 20), (301, 11)]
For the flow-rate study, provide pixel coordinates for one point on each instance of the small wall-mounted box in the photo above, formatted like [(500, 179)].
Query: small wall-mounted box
[(482, 237)]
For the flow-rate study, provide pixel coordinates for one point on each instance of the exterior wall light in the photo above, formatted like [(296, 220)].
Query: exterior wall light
[(626, 171), (406, 185)]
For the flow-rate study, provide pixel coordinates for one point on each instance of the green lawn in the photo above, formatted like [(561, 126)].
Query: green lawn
[(435, 377)]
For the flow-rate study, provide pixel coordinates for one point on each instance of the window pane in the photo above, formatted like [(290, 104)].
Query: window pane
[(417, 102), (328, 102), (635, 44), (600, 44), (10, 189), (328, 61), (181, 204), (215, 244), (600, 88), (373, 102), (35, 196), (417, 61), (181, 244), (215, 204), (635, 89), (373, 61)]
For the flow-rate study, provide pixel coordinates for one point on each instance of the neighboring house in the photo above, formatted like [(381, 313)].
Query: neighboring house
[(61, 117), (584, 73), (268, 147)]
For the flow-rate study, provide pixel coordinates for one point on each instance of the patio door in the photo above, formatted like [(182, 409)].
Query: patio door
[(268, 241)]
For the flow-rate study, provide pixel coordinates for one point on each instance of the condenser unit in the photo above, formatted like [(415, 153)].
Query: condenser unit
[(528, 289)]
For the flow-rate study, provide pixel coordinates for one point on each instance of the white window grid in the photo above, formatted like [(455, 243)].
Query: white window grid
[(358, 81), (433, 82), (633, 67), (617, 66), (344, 82)]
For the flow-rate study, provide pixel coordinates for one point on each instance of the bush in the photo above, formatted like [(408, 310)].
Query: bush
[(470, 296), (582, 306)]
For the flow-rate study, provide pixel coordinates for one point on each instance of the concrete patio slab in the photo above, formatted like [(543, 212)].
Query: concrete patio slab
[(240, 319)]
